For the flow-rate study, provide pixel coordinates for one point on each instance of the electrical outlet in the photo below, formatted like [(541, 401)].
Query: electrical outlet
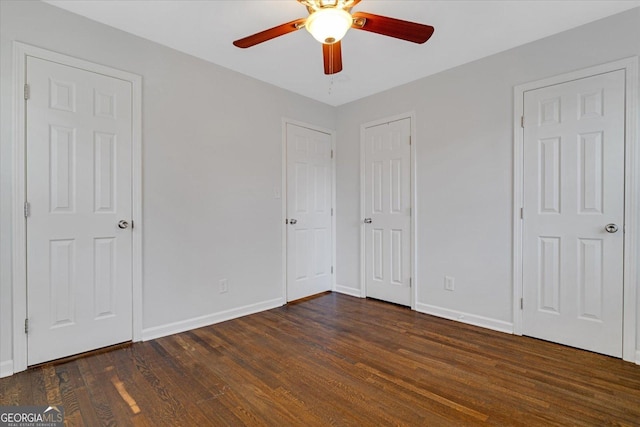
[(224, 286), (448, 283)]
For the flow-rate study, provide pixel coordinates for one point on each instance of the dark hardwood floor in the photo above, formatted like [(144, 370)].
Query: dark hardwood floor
[(336, 360)]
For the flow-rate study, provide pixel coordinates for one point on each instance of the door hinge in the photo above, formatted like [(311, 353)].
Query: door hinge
[(410, 282), (409, 139), (27, 91), (332, 269), (331, 211), (521, 304), (27, 209), (131, 224), (332, 154), (26, 326), (522, 122), (521, 213)]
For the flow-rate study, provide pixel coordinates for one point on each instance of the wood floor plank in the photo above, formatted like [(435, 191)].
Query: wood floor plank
[(336, 360), (72, 392), (37, 389), (125, 370)]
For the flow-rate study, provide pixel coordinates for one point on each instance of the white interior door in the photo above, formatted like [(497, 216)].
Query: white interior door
[(79, 261), (387, 211), (309, 200), (574, 213)]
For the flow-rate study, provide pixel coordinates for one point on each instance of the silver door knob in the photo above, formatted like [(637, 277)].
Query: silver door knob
[(367, 221), (123, 224), (293, 221), (611, 228)]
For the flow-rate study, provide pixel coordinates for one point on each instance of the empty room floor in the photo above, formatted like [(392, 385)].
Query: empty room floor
[(336, 360)]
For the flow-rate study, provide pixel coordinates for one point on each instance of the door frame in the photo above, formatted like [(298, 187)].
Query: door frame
[(631, 224), (19, 228), (411, 115), (283, 191)]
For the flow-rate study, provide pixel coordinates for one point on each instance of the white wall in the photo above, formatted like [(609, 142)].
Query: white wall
[(464, 166), (211, 159)]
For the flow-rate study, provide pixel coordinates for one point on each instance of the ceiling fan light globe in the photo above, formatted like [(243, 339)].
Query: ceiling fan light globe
[(329, 25)]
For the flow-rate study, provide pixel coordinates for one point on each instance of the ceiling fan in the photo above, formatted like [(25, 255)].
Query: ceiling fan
[(329, 21)]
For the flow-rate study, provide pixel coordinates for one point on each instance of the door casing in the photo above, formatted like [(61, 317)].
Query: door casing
[(19, 272), (283, 193), (412, 192), (631, 225)]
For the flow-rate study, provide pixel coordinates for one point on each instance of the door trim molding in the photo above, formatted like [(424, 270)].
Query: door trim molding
[(283, 193), (632, 190), (411, 115), (19, 267)]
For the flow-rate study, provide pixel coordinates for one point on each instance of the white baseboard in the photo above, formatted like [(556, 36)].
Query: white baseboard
[(347, 290), (471, 319), (209, 319), (637, 357), (6, 368)]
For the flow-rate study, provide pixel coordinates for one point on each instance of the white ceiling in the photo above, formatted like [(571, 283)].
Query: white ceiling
[(464, 31)]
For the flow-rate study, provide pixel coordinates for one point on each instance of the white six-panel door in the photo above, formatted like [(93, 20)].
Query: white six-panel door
[(309, 200), (574, 213), (79, 282), (387, 211)]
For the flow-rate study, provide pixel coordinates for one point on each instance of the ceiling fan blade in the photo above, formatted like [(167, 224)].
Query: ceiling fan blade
[(269, 34), (332, 54), (405, 30)]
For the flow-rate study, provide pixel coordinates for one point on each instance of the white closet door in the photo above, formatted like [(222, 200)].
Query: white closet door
[(574, 213), (388, 212), (308, 212), (79, 261)]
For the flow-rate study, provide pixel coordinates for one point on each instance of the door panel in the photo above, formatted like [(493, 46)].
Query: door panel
[(79, 264), (387, 202), (308, 211), (573, 188)]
